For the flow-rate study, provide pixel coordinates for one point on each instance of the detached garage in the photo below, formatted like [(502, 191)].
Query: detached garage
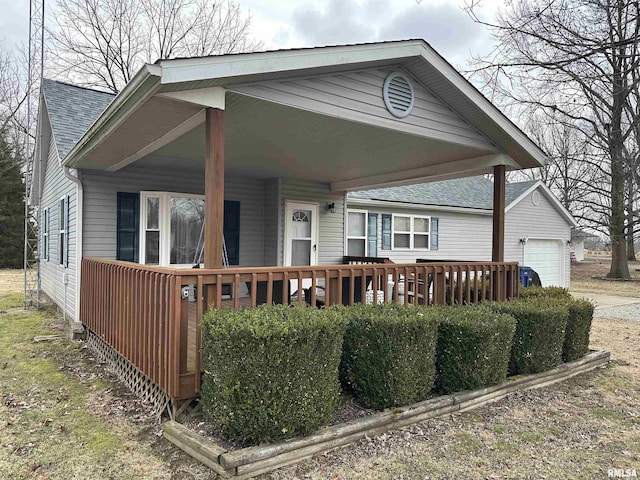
[(538, 232), (451, 220)]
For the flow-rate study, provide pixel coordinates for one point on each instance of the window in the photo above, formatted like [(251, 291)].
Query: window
[(410, 232), (357, 233), (187, 220), (151, 238), (45, 234), (62, 225), (172, 229)]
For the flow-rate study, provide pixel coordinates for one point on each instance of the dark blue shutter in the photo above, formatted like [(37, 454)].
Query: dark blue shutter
[(128, 226), (372, 235), (386, 232), (231, 230), (434, 232)]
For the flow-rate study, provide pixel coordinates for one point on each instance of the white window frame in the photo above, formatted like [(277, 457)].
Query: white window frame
[(45, 234), (63, 238), (411, 232), (164, 226), (366, 231)]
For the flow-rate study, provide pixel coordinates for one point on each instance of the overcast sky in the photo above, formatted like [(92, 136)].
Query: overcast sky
[(298, 23)]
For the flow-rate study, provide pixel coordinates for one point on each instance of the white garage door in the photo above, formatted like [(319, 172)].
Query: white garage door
[(546, 258)]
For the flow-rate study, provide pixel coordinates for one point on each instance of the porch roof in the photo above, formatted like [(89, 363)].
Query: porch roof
[(164, 103)]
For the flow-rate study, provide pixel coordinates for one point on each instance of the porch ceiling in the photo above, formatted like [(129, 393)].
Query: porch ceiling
[(266, 139)]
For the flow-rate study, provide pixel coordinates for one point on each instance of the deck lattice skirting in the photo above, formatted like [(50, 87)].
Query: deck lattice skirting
[(141, 385), (252, 461)]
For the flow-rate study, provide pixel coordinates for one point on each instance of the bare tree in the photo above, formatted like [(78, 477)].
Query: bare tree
[(567, 173), (102, 43), (14, 90), (577, 58)]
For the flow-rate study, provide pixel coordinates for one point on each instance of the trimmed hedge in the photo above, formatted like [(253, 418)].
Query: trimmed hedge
[(539, 337), (389, 354), (474, 346), (270, 372), (548, 292), (576, 339)]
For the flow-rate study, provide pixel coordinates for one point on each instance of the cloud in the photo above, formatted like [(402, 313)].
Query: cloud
[(342, 21), (445, 26)]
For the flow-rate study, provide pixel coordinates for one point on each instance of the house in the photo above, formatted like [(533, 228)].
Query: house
[(241, 164), (451, 220), (578, 237)]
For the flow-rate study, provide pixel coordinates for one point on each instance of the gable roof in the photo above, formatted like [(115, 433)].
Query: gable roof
[(177, 75), (72, 110), (468, 192)]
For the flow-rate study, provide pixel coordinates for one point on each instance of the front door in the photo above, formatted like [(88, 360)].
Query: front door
[(301, 237)]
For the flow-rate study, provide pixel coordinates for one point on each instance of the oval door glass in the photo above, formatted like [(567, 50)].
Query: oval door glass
[(301, 239)]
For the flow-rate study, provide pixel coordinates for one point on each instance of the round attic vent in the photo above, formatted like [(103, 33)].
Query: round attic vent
[(535, 198), (398, 94)]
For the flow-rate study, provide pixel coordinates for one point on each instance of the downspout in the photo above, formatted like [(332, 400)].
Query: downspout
[(79, 201)]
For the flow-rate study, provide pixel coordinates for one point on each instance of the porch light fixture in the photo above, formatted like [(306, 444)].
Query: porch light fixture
[(331, 207)]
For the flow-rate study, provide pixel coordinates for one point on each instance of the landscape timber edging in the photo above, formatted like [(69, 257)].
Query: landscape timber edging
[(251, 461)]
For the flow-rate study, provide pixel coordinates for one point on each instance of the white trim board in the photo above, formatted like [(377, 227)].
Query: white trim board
[(365, 202)]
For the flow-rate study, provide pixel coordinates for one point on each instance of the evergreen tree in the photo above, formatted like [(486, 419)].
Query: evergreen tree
[(11, 208)]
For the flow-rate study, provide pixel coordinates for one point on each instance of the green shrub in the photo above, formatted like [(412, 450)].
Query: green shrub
[(576, 338), (389, 354), (539, 335), (270, 372), (549, 292), (474, 346)]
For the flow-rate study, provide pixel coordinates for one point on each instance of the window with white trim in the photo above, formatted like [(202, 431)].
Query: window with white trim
[(45, 234), (410, 232), (62, 233), (357, 233), (172, 228)]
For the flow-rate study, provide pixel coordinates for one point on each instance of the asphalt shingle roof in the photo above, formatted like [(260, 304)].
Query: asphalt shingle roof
[(72, 110), (468, 192)]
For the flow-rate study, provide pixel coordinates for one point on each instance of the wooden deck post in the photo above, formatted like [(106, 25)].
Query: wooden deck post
[(214, 187), (214, 195), (498, 213)]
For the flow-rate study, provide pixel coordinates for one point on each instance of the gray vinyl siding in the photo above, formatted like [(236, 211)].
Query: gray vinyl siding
[(357, 96), (542, 221), (100, 204), (331, 225), (56, 186), (468, 236), (461, 236), (271, 221)]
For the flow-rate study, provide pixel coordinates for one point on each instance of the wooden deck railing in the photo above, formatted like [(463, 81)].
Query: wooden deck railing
[(151, 315)]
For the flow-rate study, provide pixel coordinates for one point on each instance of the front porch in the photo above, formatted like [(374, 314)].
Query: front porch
[(303, 135), (151, 315)]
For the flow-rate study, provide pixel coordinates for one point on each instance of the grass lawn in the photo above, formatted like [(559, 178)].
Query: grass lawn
[(62, 417), (582, 280)]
